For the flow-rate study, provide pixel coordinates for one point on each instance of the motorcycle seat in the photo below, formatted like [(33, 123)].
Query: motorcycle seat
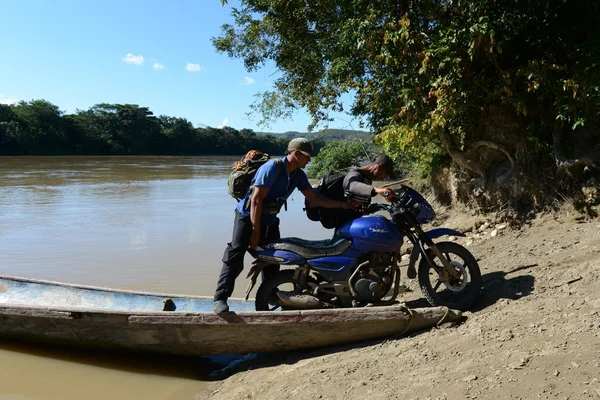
[(311, 248)]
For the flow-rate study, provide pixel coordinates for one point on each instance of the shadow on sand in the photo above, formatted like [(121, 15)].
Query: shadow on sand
[(255, 361), (494, 287), (499, 285)]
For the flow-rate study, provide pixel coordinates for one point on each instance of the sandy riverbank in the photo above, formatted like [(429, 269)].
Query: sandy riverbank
[(535, 333)]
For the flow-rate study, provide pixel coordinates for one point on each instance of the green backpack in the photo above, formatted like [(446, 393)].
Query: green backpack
[(243, 172)]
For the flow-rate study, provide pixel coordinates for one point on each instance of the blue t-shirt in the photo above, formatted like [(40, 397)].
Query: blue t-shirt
[(280, 183)]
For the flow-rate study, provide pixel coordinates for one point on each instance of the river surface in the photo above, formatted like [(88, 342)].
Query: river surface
[(155, 224)]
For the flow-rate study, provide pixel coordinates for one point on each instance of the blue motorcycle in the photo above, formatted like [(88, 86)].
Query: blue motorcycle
[(359, 265)]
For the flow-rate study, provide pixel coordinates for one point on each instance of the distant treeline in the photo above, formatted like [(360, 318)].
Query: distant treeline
[(38, 127), (329, 135)]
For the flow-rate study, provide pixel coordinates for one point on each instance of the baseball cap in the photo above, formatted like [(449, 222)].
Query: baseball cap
[(302, 144), (387, 163)]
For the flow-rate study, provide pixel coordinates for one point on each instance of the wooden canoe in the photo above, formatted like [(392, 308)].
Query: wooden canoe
[(93, 317)]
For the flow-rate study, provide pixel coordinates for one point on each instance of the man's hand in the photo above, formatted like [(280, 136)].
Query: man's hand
[(385, 193), (254, 238), (322, 201)]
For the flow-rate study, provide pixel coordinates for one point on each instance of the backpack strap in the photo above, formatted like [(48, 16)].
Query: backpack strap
[(279, 162), (281, 166)]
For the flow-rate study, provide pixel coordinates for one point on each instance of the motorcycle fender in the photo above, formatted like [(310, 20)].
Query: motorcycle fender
[(439, 232), (411, 272), (257, 267)]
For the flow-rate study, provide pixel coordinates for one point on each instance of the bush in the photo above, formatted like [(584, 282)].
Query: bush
[(337, 156)]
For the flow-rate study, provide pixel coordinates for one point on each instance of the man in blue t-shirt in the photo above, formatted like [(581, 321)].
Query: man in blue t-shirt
[(256, 214)]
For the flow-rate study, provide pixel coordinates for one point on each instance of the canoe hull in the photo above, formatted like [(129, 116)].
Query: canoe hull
[(206, 333)]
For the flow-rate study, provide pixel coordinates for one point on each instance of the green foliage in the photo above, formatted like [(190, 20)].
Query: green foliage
[(40, 128), (416, 155), (9, 129), (124, 128), (336, 156), (418, 67)]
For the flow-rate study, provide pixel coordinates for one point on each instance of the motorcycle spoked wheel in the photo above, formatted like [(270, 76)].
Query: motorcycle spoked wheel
[(460, 294), (266, 297)]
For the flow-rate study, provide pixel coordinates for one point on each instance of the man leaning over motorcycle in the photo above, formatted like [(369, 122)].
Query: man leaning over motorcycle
[(256, 219)]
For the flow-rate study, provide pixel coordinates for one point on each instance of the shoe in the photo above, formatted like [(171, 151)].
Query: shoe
[(221, 307)]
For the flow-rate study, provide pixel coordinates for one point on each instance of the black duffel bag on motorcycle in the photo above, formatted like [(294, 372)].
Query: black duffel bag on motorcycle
[(332, 187)]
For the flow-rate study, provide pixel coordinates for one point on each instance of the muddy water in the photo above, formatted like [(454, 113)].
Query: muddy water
[(146, 223)]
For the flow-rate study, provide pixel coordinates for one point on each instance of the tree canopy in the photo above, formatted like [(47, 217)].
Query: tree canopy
[(338, 156), (38, 127), (483, 81)]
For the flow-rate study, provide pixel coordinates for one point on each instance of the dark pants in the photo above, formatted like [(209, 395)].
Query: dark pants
[(233, 258)]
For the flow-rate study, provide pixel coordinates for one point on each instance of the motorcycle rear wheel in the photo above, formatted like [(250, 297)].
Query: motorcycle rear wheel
[(266, 295), (460, 294)]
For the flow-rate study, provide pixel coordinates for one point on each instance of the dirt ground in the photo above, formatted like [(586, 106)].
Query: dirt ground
[(534, 334)]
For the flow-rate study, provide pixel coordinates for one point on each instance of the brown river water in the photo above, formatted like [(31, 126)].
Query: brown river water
[(155, 224)]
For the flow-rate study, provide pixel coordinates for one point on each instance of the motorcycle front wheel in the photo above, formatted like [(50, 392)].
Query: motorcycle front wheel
[(266, 295), (459, 294)]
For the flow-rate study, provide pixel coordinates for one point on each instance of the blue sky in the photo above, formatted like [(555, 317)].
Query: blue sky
[(155, 53)]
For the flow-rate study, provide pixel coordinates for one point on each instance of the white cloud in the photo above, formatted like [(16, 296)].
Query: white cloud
[(247, 81), (158, 66), (4, 100), (133, 59), (224, 123), (194, 67)]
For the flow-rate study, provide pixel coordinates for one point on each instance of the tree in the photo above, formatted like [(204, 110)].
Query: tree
[(486, 81), (10, 127), (124, 128), (336, 156), (40, 128), (180, 134)]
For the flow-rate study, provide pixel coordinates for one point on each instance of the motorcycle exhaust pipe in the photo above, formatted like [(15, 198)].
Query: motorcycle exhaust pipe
[(300, 301)]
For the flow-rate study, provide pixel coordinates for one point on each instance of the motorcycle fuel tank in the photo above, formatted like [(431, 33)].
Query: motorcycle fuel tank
[(372, 233)]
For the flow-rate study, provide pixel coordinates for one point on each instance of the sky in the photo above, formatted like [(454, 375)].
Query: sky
[(154, 53)]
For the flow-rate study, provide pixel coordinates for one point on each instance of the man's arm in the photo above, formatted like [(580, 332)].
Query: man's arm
[(353, 183), (323, 201), (312, 196), (256, 206)]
